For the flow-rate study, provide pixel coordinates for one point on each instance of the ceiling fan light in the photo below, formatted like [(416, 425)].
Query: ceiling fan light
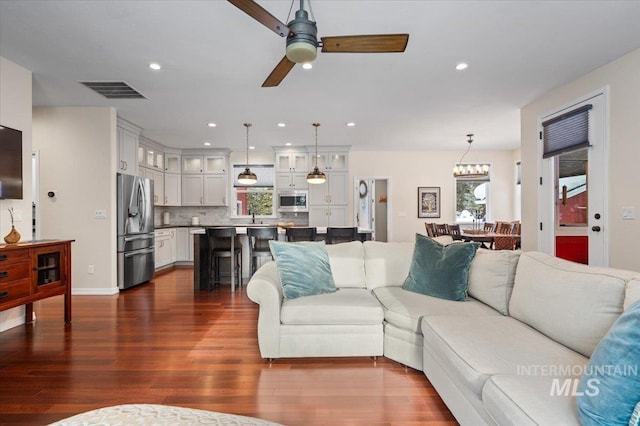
[(316, 177), (301, 52), (247, 177)]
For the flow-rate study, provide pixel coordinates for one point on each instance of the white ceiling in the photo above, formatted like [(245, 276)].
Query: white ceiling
[(215, 58)]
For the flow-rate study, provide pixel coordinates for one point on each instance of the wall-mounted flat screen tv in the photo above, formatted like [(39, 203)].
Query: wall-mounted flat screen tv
[(10, 163)]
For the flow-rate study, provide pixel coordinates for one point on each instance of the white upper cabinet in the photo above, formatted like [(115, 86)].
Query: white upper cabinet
[(172, 189), (215, 164), (171, 163), (127, 135), (192, 164), (332, 161), (290, 161)]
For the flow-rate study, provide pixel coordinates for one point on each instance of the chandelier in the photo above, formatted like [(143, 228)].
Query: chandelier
[(465, 170)]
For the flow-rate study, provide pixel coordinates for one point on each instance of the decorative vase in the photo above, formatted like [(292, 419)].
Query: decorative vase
[(12, 237)]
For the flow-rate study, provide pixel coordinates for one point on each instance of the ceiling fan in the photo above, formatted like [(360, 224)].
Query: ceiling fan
[(302, 40)]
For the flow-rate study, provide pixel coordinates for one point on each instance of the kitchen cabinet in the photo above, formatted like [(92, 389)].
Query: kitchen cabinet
[(172, 189), (165, 247), (171, 163), (204, 190), (127, 136), (155, 158), (333, 161), (328, 202), (208, 164), (182, 245), (328, 215), (291, 181), (158, 185), (291, 169), (292, 161)]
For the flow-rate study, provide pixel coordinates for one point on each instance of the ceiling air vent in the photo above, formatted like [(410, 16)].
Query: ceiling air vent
[(114, 89)]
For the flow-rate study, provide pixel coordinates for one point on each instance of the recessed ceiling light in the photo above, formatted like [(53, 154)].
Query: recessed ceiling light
[(307, 66), (282, 125), (155, 66), (252, 147), (212, 124), (351, 124), (288, 144), (462, 66), (207, 144)]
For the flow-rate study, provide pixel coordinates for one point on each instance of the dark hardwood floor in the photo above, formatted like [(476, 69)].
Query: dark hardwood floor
[(161, 343)]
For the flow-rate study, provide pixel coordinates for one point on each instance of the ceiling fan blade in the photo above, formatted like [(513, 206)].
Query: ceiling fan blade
[(279, 73), (374, 43), (258, 13)]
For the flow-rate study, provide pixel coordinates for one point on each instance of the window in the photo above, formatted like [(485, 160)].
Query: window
[(472, 200), (258, 199)]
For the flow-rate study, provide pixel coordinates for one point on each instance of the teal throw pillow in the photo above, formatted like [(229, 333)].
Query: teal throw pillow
[(610, 386), (440, 271), (303, 267)]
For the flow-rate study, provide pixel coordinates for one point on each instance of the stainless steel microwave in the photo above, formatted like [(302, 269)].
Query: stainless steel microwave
[(293, 201)]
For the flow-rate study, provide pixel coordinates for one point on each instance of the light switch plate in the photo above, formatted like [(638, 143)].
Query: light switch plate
[(628, 213), (101, 214)]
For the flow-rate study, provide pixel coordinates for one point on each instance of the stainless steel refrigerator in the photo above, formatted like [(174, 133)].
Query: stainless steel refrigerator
[(135, 230)]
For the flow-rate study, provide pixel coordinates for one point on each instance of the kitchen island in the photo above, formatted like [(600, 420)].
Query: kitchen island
[(201, 263)]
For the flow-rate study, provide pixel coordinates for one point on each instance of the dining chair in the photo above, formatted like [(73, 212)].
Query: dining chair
[(454, 231), (301, 234), (259, 245), (441, 229), (431, 230), (223, 244), (503, 228), (515, 228), (337, 235), (489, 227)]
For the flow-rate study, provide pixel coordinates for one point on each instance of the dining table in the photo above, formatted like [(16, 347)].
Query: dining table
[(485, 238)]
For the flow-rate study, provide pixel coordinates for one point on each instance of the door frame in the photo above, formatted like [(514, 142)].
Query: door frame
[(356, 201), (546, 188)]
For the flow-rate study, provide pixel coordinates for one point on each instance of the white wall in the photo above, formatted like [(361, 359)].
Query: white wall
[(15, 112), (77, 159), (407, 170), (623, 81)]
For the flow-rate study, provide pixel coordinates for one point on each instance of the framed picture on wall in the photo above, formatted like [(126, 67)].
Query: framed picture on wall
[(429, 201)]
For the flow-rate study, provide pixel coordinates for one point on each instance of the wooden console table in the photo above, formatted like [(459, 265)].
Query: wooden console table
[(34, 270)]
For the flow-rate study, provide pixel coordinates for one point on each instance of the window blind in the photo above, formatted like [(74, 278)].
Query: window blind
[(567, 132), (264, 173)]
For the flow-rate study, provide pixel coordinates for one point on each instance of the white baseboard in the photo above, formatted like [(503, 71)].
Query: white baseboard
[(14, 319), (94, 291)]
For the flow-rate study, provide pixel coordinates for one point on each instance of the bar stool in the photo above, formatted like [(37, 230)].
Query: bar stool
[(259, 244), (301, 234), (341, 235), (223, 244)]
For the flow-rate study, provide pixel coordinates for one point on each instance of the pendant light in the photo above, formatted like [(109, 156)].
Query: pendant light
[(316, 176), (470, 170), (247, 177)]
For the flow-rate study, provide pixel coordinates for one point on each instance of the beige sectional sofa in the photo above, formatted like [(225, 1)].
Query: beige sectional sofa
[(509, 355)]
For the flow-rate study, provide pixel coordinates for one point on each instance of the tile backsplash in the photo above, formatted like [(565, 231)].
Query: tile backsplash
[(182, 216)]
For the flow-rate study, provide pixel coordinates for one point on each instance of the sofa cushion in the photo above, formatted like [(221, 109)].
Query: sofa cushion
[(440, 271), (303, 267), (347, 264), (386, 264), (471, 349), (522, 401), (405, 309), (632, 293), (346, 306), (610, 387), (573, 304), (491, 277)]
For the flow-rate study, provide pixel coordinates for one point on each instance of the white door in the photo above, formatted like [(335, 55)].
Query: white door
[(215, 190), (572, 196), (191, 190)]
